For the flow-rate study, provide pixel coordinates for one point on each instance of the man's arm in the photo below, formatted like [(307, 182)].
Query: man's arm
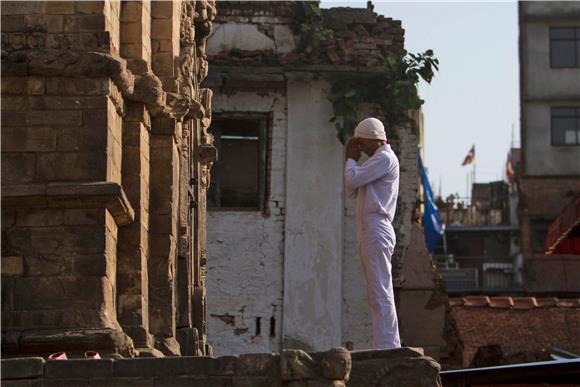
[(371, 170), (352, 154)]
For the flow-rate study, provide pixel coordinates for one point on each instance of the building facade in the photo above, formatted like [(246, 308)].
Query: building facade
[(283, 270), (550, 137), (105, 165)]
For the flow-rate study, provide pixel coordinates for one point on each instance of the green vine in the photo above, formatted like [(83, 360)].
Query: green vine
[(392, 92), (310, 27)]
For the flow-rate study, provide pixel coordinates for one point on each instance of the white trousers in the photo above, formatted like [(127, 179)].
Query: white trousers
[(377, 240)]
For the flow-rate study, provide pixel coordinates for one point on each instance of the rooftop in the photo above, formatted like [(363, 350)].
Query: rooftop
[(519, 328)]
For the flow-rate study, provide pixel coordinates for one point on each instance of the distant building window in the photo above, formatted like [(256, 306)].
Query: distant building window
[(239, 176), (565, 126), (564, 47), (539, 230)]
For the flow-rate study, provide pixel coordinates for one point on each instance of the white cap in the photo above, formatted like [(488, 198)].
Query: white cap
[(370, 128)]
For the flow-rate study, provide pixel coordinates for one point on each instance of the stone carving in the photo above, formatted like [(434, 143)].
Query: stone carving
[(296, 364), (331, 368), (403, 367), (336, 364)]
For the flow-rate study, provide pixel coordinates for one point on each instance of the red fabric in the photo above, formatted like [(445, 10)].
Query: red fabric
[(564, 234)]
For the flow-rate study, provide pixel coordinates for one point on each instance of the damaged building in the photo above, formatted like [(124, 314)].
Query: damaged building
[(283, 269)]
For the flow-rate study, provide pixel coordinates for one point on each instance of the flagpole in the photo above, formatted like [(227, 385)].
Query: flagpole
[(466, 186), (474, 159)]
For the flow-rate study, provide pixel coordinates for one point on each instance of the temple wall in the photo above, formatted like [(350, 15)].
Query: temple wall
[(100, 100)]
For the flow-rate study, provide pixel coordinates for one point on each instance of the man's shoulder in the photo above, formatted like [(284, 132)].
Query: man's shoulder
[(387, 153)]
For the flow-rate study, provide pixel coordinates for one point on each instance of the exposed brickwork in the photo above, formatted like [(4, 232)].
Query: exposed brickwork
[(351, 36), (523, 327), (98, 102)]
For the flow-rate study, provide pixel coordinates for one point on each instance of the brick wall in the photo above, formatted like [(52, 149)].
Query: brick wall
[(92, 143)]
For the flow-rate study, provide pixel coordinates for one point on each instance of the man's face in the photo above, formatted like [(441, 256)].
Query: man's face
[(369, 146)]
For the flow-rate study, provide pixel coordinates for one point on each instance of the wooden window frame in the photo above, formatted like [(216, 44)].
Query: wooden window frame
[(264, 162)]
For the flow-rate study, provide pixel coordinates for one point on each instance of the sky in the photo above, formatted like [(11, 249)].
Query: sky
[(474, 98)]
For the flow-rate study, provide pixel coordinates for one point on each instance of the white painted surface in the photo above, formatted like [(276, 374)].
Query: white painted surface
[(239, 36), (313, 232), (245, 250), (300, 265), (357, 324)]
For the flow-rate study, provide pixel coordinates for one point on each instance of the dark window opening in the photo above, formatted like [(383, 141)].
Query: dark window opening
[(239, 175), (539, 230), (258, 326), (564, 47), (272, 327), (565, 125)]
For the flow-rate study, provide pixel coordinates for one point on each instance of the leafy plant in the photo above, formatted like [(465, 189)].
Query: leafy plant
[(309, 25), (392, 92)]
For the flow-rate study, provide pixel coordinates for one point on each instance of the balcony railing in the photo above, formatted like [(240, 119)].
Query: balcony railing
[(465, 274)]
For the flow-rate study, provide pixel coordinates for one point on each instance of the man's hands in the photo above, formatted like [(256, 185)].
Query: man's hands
[(352, 149)]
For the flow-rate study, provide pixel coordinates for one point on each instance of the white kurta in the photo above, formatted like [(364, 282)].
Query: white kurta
[(376, 186)]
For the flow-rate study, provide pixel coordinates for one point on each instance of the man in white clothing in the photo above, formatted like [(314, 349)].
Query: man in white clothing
[(375, 184)]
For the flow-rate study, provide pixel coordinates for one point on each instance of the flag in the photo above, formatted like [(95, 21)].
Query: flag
[(432, 224), (509, 169), (470, 157)]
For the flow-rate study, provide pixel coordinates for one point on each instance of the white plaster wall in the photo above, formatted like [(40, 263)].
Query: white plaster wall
[(245, 249), (241, 36), (313, 233), (244, 36), (356, 320), (301, 264)]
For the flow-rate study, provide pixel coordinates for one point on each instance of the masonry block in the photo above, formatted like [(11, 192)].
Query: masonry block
[(84, 23), (163, 64), (7, 285), (13, 85), (63, 117), (81, 368), (18, 168), (22, 368), (184, 365), (20, 8), (60, 7), (87, 166), (28, 139), (59, 292)]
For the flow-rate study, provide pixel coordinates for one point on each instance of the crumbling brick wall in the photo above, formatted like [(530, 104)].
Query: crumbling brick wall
[(105, 164)]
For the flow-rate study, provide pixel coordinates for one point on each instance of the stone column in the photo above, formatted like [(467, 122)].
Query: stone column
[(163, 234), (133, 248), (61, 164)]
